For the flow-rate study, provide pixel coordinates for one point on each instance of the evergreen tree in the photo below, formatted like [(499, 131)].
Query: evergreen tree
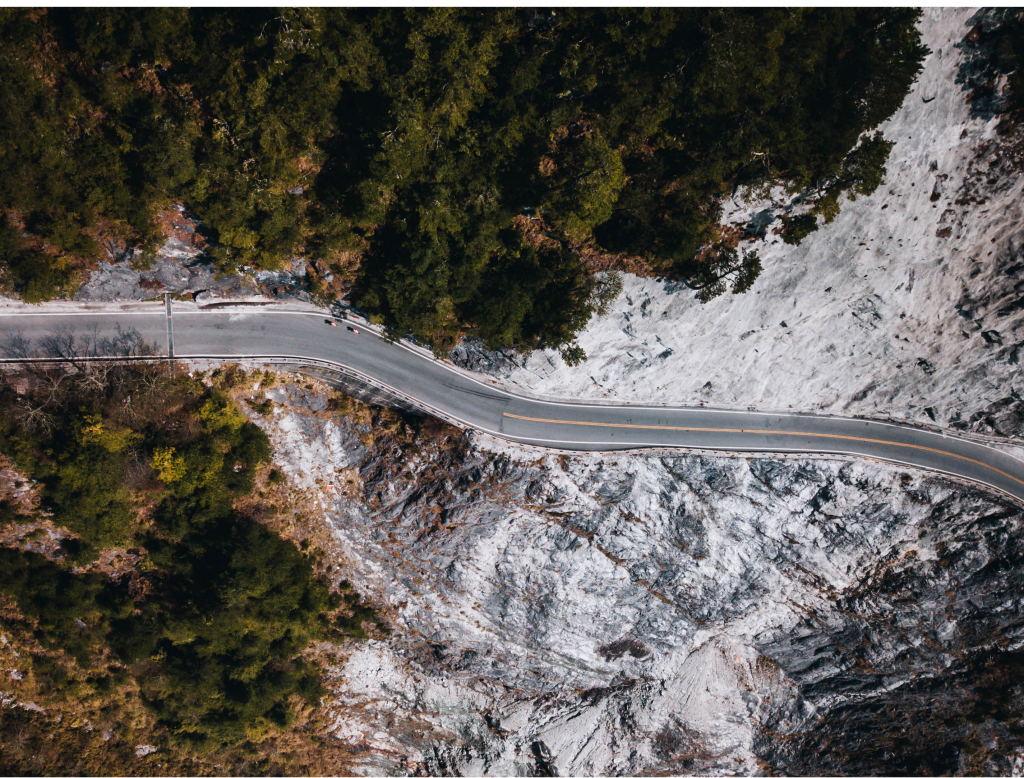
[(418, 137)]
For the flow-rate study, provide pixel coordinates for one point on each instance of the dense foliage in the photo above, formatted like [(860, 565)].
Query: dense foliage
[(427, 139), (1010, 45), (221, 608)]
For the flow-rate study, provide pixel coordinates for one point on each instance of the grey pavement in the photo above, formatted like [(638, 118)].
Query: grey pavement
[(272, 332)]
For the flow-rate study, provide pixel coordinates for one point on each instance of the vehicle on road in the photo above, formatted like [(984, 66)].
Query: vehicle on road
[(331, 323), (353, 330)]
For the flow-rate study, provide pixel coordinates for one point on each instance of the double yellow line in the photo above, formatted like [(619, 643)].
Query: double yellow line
[(764, 432)]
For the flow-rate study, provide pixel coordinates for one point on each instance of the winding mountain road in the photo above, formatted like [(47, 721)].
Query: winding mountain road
[(274, 332)]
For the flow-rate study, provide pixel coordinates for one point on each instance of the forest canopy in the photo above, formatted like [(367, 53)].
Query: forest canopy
[(466, 156), (209, 624)]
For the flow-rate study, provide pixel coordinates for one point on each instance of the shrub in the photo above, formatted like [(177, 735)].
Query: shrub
[(574, 355), (796, 228)]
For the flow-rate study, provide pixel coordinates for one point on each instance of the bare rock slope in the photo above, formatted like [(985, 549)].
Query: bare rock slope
[(909, 304), (661, 614)]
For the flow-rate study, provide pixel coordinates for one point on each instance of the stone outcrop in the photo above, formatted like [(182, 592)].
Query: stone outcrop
[(658, 613)]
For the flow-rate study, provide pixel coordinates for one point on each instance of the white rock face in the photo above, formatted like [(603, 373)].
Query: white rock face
[(618, 614), (904, 303)]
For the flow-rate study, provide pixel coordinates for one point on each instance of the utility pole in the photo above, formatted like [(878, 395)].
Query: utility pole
[(170, 333)]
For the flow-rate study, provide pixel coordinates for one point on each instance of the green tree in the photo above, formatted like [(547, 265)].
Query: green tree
[(727, 264), (35, 275), (861, 173), (573, 355), (168, 465), (68, 611), (796, 228), (531, 297), (224, 608), (417, 138), (85, 488), (219, 663), (587, 182)]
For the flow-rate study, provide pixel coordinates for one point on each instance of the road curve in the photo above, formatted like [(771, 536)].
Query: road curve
[(270, 332)]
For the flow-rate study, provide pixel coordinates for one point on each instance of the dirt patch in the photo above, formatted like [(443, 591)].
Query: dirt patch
[(175, 224), (16, 490)]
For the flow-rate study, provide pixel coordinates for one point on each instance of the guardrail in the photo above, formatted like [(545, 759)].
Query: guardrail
[(437, 413), (336, 368), (1012, 446)]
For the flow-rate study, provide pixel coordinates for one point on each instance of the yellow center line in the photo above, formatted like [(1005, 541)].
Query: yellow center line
[(765, 432)]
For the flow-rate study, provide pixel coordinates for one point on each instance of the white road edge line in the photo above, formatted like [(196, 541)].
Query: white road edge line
[(570, 404), (499, 390), (618, 444), (801, 451)]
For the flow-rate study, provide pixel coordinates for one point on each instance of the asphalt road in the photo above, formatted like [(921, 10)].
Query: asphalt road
[(268, 332)]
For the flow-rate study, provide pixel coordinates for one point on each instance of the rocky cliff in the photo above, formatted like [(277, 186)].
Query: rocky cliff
[(659, 613)]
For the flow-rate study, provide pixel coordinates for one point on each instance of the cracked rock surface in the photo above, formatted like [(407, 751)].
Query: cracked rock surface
[(651, 613)]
